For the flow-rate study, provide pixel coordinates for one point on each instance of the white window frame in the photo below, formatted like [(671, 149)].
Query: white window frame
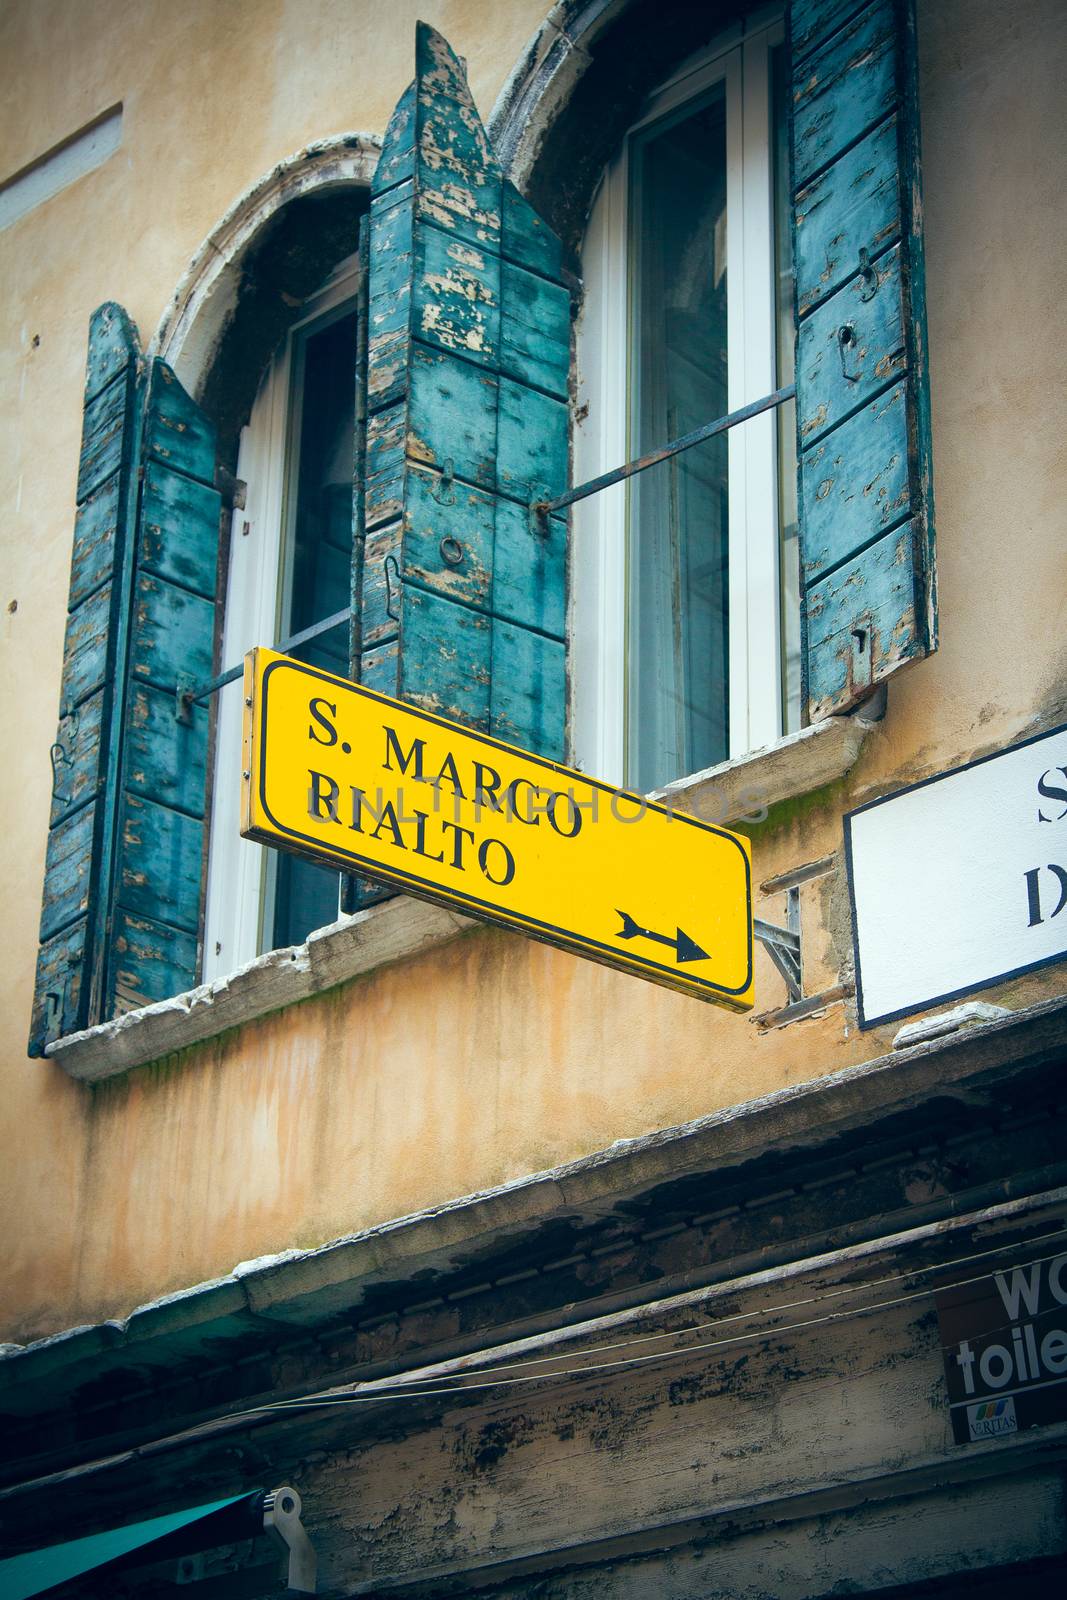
[(240, 884), (742, 60)]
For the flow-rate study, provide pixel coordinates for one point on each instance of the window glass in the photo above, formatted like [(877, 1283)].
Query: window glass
[(318, 564), (289, 568), (685, 593), (678, 578)]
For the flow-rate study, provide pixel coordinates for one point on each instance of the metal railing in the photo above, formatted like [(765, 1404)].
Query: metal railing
[(545, 508), (190, 695)]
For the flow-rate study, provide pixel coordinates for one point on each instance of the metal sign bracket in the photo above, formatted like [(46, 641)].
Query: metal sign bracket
[(783, 944)]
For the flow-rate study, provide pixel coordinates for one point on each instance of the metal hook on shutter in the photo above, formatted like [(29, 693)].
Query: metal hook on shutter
[(846, 338), (451, 551), (869, 276), (445, 493), (394, 563), (60, 756)]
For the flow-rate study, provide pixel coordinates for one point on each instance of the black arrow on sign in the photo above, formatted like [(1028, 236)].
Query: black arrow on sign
[(685, 948)]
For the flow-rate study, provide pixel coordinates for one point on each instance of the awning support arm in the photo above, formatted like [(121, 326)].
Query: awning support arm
[(281, 1519)]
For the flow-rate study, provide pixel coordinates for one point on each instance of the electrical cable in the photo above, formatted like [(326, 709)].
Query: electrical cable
[(765, 1311), (443, 1387)]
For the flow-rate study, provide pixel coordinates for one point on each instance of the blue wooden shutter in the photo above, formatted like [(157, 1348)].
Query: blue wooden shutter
[(463, 602), (863, 427), (85, 750), (154, 915), (122, 877)]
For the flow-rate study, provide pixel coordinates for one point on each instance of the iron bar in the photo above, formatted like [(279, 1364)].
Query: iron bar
[(783, 947), (784, 939), (189, 697), (540, 508), (544, 508)]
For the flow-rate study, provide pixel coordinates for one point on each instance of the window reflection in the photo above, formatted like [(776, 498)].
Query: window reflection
[(678, 641), (319, 565)]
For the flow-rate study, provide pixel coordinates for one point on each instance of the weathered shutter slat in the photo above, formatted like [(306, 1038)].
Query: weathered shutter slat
[(92, 658), (86, 663), (140, 946), (172, 633), (858, 197), (846, 84), (171, 503), (156, 882), (870, 448), (69, 871), (817, 20), (397, 160), (463, 600), (150, 768), (866, 514), (105, 434), (94, 544), (76, 755), (528, 689), (526, 586)]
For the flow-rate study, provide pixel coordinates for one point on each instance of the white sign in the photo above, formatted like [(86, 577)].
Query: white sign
[(960, 881)]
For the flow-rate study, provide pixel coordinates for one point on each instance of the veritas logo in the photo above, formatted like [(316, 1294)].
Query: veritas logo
[(991, 1418)]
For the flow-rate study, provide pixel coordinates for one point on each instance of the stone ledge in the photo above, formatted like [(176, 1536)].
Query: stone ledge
[(739, 790), (345, 949), (402, 927), (305, 1289)]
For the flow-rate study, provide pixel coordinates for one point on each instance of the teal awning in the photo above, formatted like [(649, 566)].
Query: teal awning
[(37, 1571)]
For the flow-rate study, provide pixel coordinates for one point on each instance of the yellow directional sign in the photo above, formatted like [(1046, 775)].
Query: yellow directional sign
[(353, 779)]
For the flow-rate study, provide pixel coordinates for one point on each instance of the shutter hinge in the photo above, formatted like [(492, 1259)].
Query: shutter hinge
[(234, 491)]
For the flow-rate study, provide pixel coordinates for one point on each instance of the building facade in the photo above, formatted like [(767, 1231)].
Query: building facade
[(530, 1276)]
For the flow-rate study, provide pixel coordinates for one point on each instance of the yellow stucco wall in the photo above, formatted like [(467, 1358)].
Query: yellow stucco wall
[(491, 1057)]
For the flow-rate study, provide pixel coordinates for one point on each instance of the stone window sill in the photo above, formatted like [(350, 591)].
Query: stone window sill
[(402, 927)]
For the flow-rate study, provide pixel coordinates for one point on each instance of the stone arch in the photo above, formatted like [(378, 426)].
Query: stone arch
[(580, 84), (244, 287)]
